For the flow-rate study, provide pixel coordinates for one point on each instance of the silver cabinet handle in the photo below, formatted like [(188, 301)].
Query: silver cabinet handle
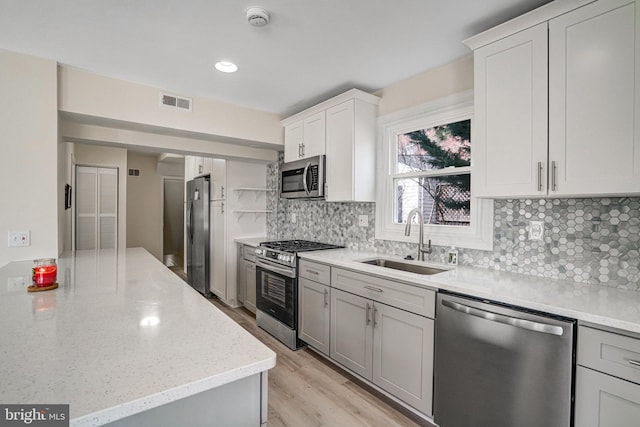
[(539, 176), (371, 288), (633, 362), (222, 207), (311, 271), (367, 314), (302, 149), (507, 320), (375, 311), (553, 175), (222, 191), (326, 298), (299, 150)]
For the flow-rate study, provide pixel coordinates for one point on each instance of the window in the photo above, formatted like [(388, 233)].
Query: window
[(426, 153), (433, 173)]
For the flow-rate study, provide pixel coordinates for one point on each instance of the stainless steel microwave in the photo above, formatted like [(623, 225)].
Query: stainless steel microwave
[(303, 179)]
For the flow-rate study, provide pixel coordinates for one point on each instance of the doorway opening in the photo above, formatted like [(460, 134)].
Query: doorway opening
[(173, 223)]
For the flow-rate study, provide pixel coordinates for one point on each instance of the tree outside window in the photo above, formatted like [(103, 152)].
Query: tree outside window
[(433, 173)]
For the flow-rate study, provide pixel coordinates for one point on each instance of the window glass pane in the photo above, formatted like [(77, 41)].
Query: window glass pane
[(438, 147), (443, 200)]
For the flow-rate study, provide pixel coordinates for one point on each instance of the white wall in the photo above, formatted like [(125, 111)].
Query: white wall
[(93, 155), (144, 204), (98, 96), (440, 82), (28, 165)]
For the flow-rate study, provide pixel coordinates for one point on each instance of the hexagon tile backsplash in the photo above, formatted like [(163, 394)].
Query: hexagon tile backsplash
[(594, 240)]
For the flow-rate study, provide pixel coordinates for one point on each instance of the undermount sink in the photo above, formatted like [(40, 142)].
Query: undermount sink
[(403, 266)]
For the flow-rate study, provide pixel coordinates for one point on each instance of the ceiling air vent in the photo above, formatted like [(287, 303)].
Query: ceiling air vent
[(174, 101)]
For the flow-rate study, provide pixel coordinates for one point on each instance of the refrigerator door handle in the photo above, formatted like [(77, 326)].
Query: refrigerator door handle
[(190, 222)]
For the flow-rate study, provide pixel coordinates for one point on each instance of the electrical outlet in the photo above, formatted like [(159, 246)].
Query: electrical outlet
[(19, 238), (536, 230), (363, 220), (293, 218)]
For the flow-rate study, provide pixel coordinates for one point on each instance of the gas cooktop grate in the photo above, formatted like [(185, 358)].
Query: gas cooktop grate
[(298, 245)]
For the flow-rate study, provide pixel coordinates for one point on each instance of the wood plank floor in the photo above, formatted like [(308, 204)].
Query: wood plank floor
[(306, 390)]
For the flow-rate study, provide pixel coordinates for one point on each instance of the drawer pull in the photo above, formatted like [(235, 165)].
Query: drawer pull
[(633, 362), (371, 288), (368, 320), (312, 272)]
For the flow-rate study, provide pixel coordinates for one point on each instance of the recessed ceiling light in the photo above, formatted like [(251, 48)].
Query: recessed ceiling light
[(226, 67)]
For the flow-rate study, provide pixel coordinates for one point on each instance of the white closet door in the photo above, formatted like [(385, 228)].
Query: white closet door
[(107, 207), (86, 207), (96, 208)]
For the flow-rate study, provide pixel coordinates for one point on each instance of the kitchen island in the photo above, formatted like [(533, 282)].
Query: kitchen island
[(123, 340)]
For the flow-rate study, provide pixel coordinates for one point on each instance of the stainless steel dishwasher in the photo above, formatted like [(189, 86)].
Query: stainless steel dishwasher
[(497, 365)]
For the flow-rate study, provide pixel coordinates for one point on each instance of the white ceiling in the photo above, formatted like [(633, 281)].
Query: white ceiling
[(309, 52)]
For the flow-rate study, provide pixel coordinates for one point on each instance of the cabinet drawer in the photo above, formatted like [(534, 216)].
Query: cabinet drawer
[(411, 298), (249, 253), (609, 352), (320, 273)]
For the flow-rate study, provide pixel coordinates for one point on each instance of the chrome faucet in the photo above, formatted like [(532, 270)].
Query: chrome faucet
[(407, 231)]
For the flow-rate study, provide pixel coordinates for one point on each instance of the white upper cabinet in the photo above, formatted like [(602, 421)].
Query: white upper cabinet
[(305, 138), (594, 100), (195, 166), (510, 126), (557, 102), (344, 129), (350, 158)]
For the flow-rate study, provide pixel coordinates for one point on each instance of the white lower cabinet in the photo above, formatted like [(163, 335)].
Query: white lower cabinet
[(403, 355), (250, 286), (607, 379), (313, 322), (352, 332), (247, 277), (388, 346), (605, 401)]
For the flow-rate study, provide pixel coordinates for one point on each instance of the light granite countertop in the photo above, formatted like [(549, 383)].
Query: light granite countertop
[(122, 334), (616, 308), (251, 241)]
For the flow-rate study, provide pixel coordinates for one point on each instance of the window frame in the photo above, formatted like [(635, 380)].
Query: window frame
[(479, 234)]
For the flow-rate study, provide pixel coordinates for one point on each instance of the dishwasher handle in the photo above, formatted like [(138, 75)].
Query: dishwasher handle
[(507, 320)]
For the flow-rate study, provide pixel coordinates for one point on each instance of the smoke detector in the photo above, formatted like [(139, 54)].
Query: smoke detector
[(257, 16)]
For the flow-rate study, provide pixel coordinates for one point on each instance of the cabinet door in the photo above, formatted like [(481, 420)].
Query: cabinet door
[(351, 332), (403, 355), (217, 265), (313, 142), (293, 135), (594, 100), (218, 179), (241, 275), (509, 136), (313, 314), (340, 162), (605, 401), (250, 286)]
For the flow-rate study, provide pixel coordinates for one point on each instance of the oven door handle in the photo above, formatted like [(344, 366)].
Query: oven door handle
[(287, 272)]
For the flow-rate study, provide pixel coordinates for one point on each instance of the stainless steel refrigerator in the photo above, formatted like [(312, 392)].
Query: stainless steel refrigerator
[(198, 234)]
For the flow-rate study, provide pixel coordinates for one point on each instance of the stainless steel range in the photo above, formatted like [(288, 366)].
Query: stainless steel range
[(277, 287)]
